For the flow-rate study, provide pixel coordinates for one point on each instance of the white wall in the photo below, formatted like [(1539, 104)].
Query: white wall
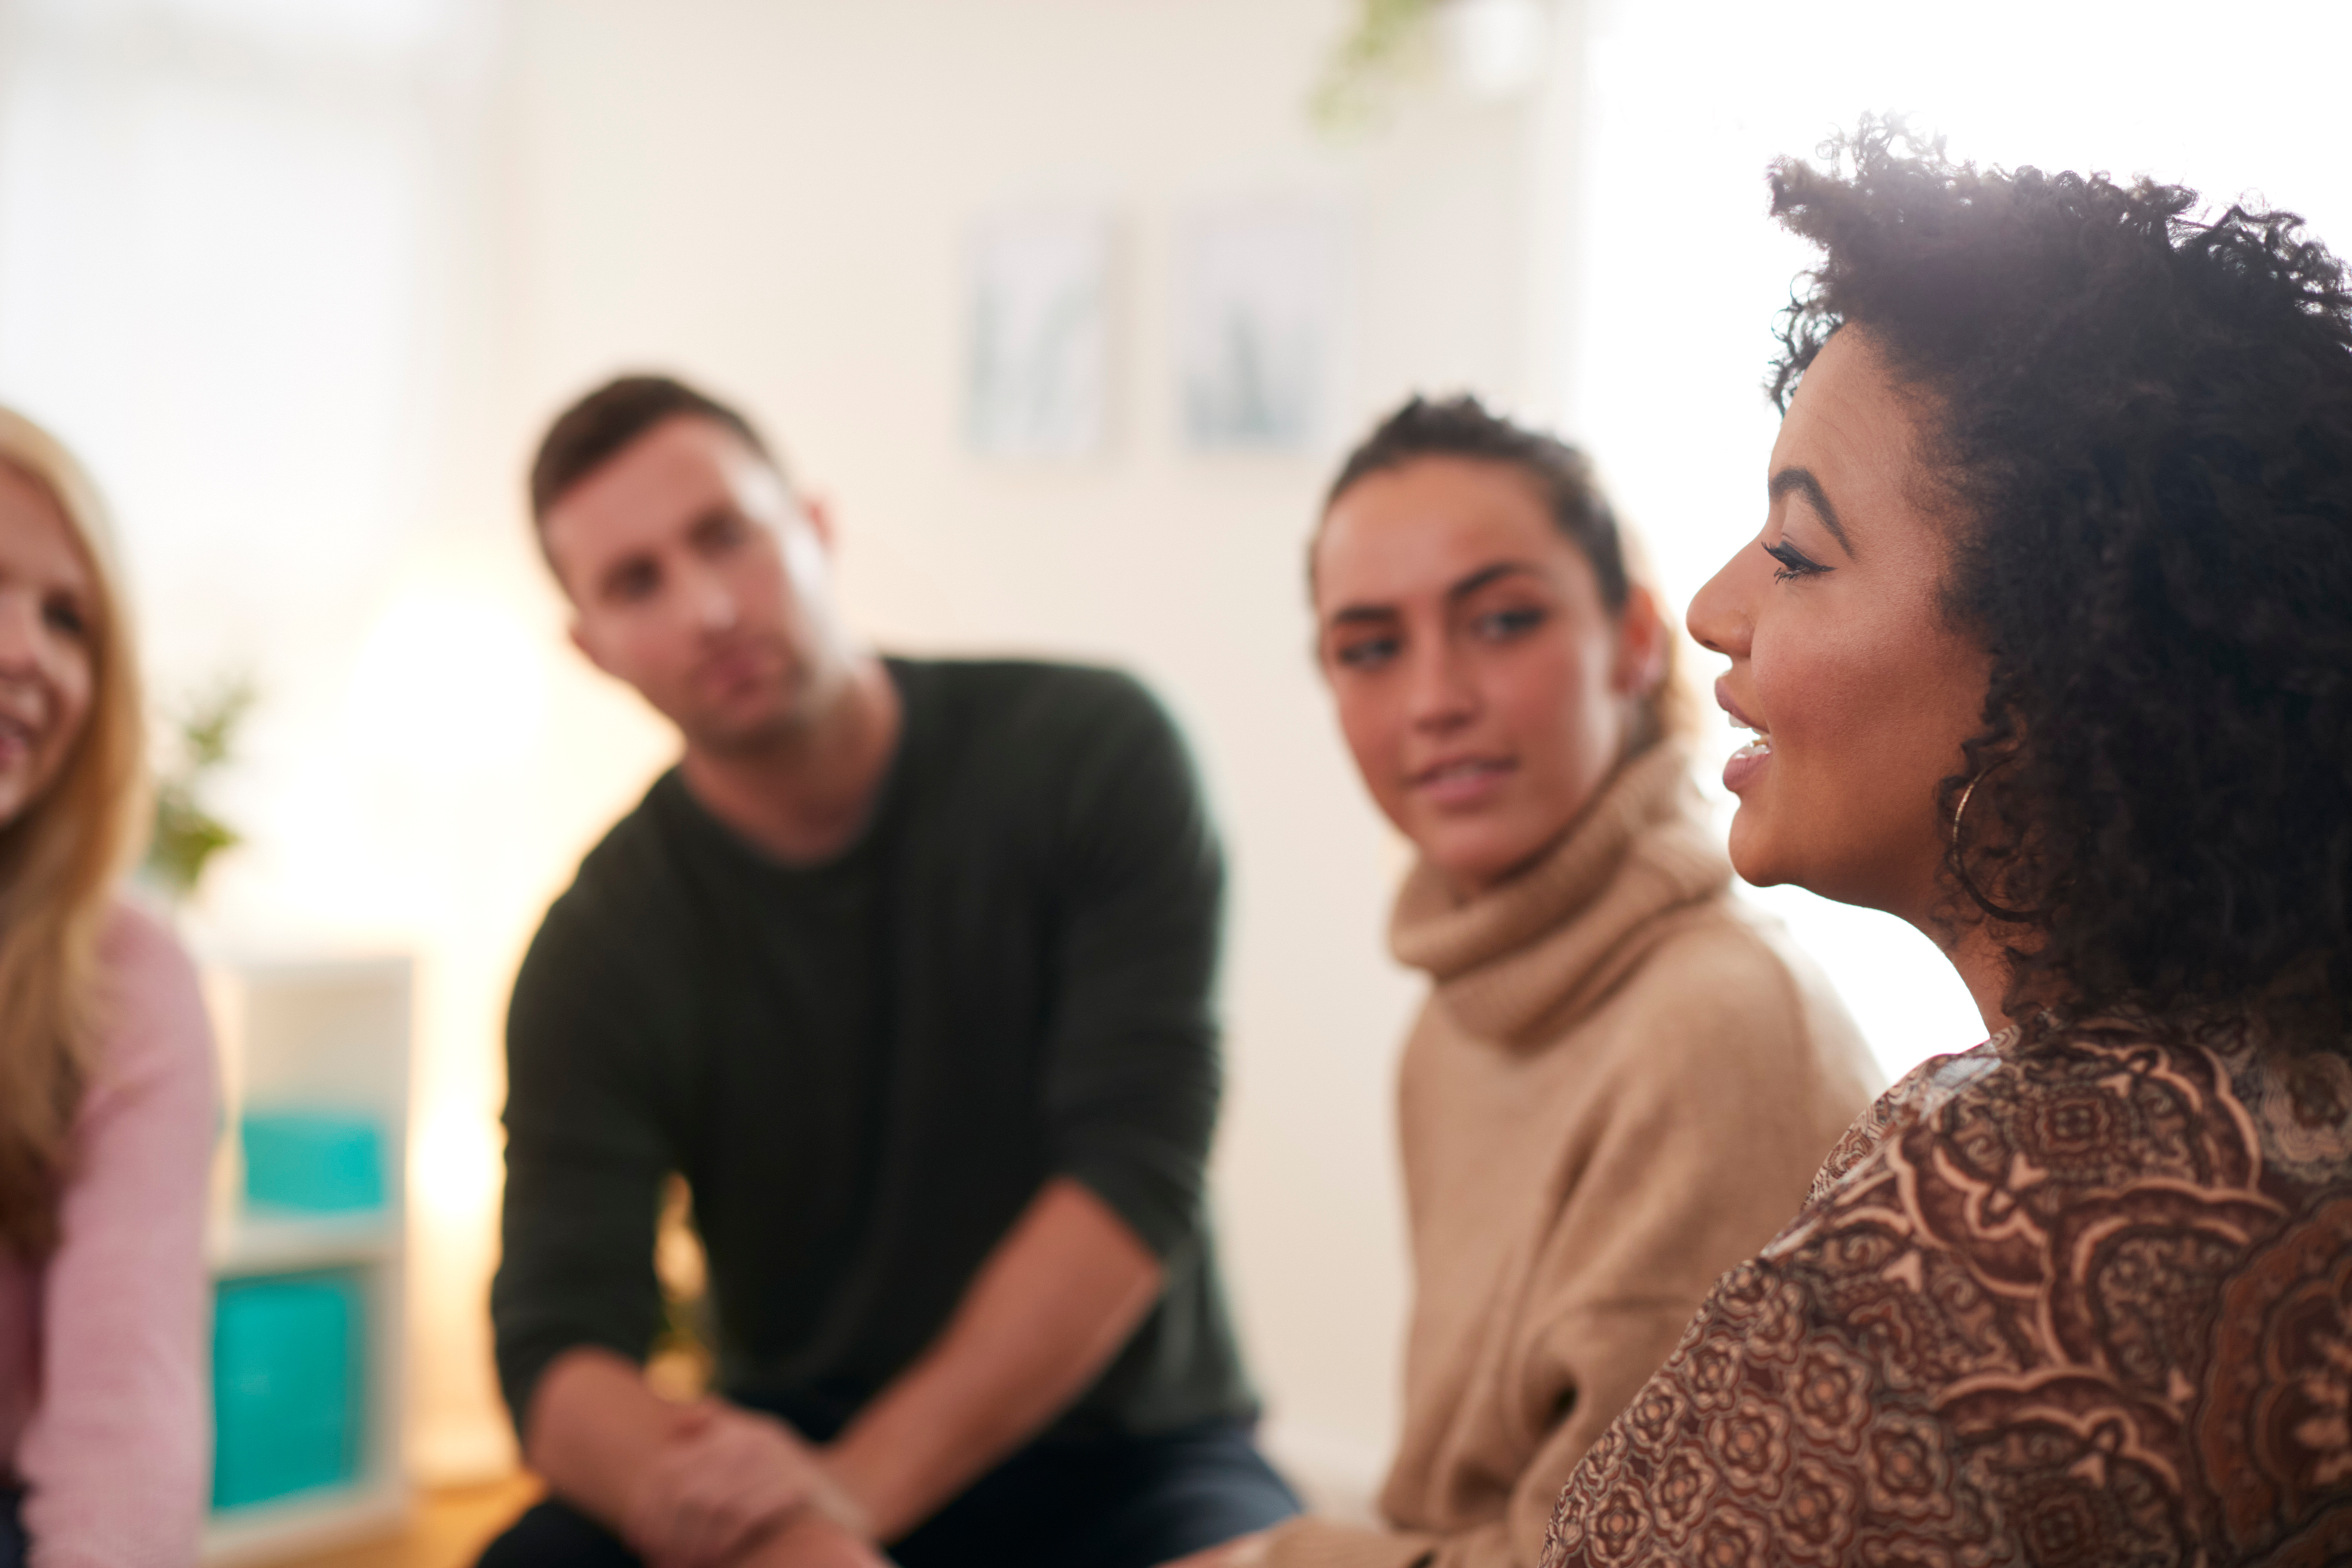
[(773, 196)]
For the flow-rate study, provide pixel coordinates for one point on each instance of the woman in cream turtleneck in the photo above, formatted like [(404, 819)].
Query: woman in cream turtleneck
[(1623, 1079)]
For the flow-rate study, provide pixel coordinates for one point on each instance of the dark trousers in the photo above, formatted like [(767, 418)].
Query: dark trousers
[(1103, 1502), (14, 1546)]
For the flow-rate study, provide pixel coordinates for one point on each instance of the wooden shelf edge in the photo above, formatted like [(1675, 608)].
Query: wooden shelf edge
[(252, 1245), (306, 1523)]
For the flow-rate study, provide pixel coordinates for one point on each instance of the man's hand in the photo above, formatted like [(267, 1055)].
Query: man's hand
[(809, 1540), (698, 1486), (725, 1478)]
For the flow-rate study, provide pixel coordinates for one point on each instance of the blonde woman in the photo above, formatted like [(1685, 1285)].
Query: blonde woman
[(106, 1071), (1623, 1080)]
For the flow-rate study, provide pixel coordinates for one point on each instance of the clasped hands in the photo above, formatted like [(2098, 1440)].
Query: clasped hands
[(731, 1486)]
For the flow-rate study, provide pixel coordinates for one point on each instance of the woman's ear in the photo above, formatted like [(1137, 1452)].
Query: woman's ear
[(820, 520), (1642, 641)]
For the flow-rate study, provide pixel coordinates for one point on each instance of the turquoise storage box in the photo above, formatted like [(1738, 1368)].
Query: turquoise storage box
[(287, 1413), (313, 1162)]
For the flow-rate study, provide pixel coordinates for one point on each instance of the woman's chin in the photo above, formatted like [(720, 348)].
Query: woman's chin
[(1471, 863), (1752, 851), (19, 792)]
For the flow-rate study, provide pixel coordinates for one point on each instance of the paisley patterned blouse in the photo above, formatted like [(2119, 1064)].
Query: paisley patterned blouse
[(2088, 1303)]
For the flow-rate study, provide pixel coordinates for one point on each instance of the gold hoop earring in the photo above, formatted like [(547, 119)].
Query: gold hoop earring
[(1961, 810)]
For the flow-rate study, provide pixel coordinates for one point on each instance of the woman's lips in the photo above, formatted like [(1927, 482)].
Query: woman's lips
[(1463, 781), (1744, 764), (15, 742), (1723, 701), (1741, 769)]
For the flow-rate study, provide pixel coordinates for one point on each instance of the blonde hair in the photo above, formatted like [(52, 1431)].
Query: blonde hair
[(58, 863)]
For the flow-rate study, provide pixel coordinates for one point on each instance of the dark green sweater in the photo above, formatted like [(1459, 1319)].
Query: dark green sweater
[(865, 1069)]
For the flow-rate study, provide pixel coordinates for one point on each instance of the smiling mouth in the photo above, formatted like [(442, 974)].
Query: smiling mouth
[(1461, 771), (1759, 743)]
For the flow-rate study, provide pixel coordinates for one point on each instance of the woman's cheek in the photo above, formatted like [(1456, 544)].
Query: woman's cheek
[(1543, 690), (1849, 700), (1828, 682), (1372, 740), (77, 691)]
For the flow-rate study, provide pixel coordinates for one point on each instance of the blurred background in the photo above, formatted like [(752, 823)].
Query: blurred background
[(1067, 306)]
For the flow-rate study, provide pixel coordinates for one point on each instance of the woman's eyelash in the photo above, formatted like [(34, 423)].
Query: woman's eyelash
[(1512, 620), (1794, 562)]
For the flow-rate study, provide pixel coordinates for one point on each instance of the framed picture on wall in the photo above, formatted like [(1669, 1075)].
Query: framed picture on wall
[(1260, 313), (1038, 334)]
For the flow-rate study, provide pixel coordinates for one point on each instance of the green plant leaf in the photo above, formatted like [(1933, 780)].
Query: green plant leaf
[(1364, 70)]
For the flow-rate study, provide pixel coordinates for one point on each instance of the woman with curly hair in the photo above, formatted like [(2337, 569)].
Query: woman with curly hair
[(2047, 645), (106, 1074)]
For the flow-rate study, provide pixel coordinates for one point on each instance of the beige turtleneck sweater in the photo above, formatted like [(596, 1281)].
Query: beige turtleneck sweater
[(1621, 1087)]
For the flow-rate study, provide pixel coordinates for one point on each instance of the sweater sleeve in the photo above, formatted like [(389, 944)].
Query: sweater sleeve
[(1597, 1359), (1308, 1541), (115, 1460), (1132, 1074), (586, 1156)]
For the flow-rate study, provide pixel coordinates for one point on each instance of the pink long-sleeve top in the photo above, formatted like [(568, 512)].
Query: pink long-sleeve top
[(103, 1417)]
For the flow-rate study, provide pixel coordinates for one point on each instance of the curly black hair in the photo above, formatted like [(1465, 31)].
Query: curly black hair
[(2142, 417)]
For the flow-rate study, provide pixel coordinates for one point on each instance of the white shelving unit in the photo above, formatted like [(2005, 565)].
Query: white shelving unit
[(319, 1036)]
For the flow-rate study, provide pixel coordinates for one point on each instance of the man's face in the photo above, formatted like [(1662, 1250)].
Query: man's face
[(698, 578)]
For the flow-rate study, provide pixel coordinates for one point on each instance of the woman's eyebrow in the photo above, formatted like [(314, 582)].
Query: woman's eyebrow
[(1803, 481), (1462, 590), (1485, 574)]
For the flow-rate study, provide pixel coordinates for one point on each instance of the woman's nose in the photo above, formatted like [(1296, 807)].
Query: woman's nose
[(1440, 692), (20, 631), (1720, 617)]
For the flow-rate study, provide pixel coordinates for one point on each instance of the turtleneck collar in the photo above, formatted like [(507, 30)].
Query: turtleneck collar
[(1550, 940)]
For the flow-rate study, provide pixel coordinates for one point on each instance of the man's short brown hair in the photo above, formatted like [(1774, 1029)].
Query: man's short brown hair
[(592, 431)]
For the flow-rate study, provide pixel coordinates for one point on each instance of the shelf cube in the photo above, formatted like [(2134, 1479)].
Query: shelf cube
[(288, 1357), (312, 1162)]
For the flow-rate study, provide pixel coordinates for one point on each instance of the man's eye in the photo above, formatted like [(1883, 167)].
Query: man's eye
[(721, 532), (633, 584), (1370, 653)]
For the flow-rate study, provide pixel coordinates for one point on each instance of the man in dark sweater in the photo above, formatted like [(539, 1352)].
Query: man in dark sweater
[(905, 968)]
